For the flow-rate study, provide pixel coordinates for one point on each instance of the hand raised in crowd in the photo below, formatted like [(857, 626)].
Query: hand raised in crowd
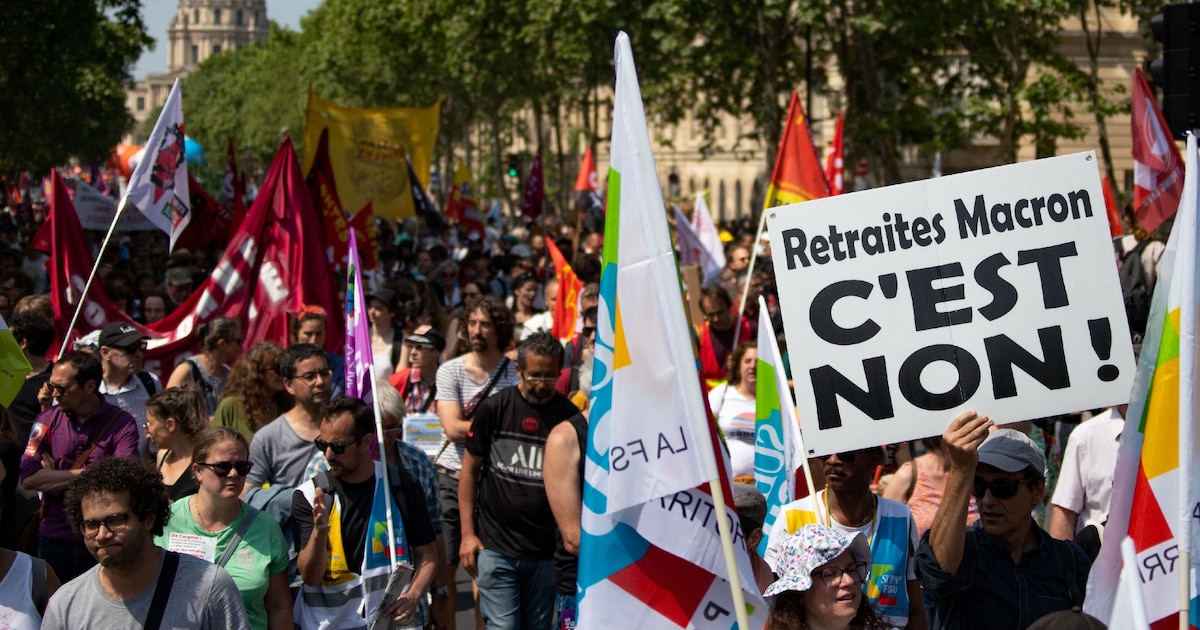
[(963, 437), (45, 396), (319, 513)]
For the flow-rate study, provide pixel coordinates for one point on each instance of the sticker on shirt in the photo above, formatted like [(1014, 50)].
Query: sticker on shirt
[(35, 439), (199, 546), (244, 558)]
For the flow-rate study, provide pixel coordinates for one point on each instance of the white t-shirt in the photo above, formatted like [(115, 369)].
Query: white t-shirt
[(736, 419), (1086, 478)]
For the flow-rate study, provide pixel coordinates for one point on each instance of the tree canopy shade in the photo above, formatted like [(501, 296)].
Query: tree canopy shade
[(64, 71)]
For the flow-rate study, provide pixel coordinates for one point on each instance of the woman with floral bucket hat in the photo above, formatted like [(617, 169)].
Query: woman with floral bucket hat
[(820, 585)]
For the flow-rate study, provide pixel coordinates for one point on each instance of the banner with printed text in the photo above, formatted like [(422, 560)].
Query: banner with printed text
[(993, 290)]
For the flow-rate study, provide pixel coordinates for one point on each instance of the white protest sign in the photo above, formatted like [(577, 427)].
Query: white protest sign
[(994, 290), (96, 211)]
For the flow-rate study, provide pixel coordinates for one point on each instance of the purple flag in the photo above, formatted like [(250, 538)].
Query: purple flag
[(359, 371)]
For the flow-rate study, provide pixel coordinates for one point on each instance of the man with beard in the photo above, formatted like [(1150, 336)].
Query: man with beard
[(848, 505), (120, 504), (462, 383), (509, 545)]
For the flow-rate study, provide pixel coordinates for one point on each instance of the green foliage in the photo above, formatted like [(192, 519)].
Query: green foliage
[(65, 70)]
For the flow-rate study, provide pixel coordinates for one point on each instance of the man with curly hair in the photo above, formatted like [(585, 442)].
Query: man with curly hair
[(119, 505)]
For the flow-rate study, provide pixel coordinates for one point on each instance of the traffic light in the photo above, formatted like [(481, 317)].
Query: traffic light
[(514, 165), (1178, 72)]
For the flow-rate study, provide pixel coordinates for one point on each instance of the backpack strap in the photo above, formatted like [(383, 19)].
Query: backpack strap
[(147, 382), (162, 591), (37, 588), (236, 540), (198, 378), (394, 355)]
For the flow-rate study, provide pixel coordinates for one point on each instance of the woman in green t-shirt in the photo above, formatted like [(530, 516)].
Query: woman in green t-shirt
[(210, 522)]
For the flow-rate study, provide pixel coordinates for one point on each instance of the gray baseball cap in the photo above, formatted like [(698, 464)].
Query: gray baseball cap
[(751, 504), (1011, 451)]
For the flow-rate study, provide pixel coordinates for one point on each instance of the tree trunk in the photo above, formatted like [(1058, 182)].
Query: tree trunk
[(1093, 86)]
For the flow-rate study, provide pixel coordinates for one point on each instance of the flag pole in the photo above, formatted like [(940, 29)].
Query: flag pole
[(762, 224), (1189, 207), (735, 578), (387, 483), (91, 276)]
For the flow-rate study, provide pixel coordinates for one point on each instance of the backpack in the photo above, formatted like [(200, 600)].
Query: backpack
[(1136, 289), (147, 382)]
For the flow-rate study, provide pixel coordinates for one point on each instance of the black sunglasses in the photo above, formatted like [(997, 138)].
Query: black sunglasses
[(222, 469), (1001, 488), (845, 457), (338, 447)]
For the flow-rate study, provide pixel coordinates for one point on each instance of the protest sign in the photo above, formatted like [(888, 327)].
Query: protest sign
[(994, 290), (96, 212)]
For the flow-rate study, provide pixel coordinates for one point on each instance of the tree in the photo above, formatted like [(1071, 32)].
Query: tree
[(65, 71)]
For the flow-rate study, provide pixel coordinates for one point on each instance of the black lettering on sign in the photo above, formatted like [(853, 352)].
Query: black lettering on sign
[(974, 219), (925, 298), (1049, 264), (712, 611), (914, 390), (820, 313), (1003, 354), (829, 385), (1004, 294), (794, 244)]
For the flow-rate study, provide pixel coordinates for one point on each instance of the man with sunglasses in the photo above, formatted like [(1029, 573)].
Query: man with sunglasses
[(80, 431), (125, 384), (848, 505), (119, 505), (509, 544), (1005, 571)]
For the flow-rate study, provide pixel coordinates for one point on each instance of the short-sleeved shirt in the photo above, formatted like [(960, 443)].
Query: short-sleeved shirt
[(990, 591), (280, 456), (203, 597), (509, 433), (261, 553), (64, 439), (454, 385), (1086, 478)]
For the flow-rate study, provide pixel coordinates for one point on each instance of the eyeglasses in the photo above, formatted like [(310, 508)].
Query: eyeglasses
[(588, 331), (311, 377), (544, 380), (57, 389), (222, 469), (848, 457), (131, 349), (1001, 488), (115, 523), (832, 576), (337, 447)]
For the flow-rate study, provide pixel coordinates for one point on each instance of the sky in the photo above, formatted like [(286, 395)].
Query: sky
[(158, 13)]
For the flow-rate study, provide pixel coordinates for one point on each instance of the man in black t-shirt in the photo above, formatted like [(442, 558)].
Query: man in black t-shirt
[(509, 546)]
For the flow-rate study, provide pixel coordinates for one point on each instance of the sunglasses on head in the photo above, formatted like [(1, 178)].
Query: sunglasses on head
[(222, 469), (337, 447), (1001, 488)]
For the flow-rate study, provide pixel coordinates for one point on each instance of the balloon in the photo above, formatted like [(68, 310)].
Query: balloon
[(125, 154), (136, 159), (193, 151)]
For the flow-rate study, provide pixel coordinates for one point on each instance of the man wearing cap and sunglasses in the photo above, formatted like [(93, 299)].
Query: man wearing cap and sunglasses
[(1005, 571), (125, 384)]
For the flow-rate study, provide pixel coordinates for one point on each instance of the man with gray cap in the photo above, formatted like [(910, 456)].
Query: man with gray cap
[(1005, 571), (125, 384)]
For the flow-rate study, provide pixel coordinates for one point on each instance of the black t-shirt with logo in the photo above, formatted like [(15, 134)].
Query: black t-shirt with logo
[(513, 514)]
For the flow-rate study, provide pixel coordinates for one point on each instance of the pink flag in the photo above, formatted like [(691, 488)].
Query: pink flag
[(535, 189), (359, 368), (1157, 169)]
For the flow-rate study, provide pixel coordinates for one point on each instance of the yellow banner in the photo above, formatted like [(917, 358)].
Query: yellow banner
[(367, 148)]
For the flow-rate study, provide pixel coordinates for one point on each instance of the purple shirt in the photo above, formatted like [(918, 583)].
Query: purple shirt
[(65, 439)]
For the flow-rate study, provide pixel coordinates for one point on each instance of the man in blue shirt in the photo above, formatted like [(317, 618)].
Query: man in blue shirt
[(1005, 571)]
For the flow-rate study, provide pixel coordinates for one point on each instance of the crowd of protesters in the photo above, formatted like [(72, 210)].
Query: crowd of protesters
[(248, 455)]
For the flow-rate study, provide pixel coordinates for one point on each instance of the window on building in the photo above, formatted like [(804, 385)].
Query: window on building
[(216, 16), (216, 49), (195, 16), (737, 198), (195, 54), (141, 103), (237, 18)]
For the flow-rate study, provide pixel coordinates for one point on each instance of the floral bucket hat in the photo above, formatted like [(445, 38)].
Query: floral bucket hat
[(812, 547)]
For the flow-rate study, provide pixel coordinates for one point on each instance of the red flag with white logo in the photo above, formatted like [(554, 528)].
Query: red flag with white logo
[(1157, 168), (273, 265)]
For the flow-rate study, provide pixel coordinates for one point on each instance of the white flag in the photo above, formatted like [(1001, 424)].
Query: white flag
[(159, 184), (710, 238)]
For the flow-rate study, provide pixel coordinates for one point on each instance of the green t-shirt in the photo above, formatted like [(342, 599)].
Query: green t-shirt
[(261, 554), (231, 413)]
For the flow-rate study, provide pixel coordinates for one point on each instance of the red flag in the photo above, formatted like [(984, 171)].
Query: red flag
[(232, 206), (797, 176), (201, 231), (1157, 169), (322, 189), (1110, 205), (835, 169), (586, 180), (566, 308), (273, 265), (535, 189), (461, 204), (363, 222)]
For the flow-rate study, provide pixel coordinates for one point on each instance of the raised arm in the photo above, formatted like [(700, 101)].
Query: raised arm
[(948, 534)]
